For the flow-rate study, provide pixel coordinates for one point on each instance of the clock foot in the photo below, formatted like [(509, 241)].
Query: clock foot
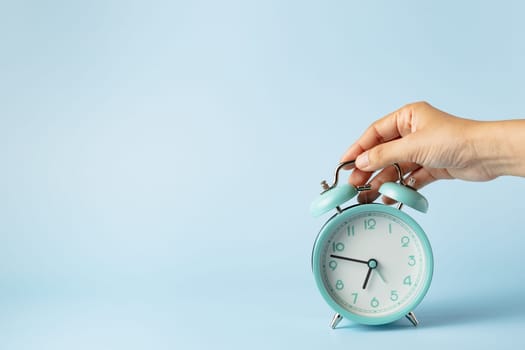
[(335, 320), (412, 318)]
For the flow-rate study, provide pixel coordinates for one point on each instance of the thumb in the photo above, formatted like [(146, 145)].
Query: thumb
[(385, 154)]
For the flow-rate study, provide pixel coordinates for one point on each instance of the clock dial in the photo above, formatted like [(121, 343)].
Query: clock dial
[(374, 263)]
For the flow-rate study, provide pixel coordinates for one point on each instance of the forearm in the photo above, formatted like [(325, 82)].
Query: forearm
[(500, 146)]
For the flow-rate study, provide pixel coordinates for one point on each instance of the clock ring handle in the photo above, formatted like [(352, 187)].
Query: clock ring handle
[(399, 174), (334, 195), (348, 165), (404, 193)]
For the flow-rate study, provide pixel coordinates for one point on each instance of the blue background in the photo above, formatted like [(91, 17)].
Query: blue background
[(159, 158)]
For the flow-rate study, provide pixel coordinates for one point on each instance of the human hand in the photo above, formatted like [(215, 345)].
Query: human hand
[(429, 145)]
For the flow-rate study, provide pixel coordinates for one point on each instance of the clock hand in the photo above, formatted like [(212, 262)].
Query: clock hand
[(349, 259), (380, 275), (367, 277), (372, 264)]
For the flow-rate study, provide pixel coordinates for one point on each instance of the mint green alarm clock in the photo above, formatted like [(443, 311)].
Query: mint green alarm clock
[(372, 263)]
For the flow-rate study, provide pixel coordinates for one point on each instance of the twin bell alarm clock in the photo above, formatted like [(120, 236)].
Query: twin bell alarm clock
[(372, 263)]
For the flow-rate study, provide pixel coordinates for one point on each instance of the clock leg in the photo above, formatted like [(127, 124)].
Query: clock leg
[(412, 318), (335, 320)]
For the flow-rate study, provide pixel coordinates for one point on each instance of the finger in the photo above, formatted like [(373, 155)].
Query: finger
[(397, 151), (389, 174), (390, 127), (420, 178), (359, 177)]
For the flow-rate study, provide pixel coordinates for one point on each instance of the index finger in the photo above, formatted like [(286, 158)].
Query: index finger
[(388, 128)]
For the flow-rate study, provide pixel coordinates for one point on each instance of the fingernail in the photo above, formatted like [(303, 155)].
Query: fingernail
[(347, 154), (362, 161)]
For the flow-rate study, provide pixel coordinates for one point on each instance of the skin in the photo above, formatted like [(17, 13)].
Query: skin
[(431, 145)]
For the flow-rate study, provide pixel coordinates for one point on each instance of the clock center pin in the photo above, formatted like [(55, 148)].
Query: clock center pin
[(372, 263)]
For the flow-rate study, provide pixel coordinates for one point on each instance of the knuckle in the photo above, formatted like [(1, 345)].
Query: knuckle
[(419, 104)]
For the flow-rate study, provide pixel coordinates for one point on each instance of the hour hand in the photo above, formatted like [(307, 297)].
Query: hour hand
[(367, 277), (372, 265)]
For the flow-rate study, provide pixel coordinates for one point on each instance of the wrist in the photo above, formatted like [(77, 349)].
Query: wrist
[(500, 147)]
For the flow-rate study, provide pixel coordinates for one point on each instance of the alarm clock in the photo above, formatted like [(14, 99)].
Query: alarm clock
[(372, 263)]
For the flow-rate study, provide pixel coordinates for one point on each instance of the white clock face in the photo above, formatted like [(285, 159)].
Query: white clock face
[(374, 264)]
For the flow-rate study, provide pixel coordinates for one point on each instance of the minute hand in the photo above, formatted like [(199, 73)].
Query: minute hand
[(349, 259)]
